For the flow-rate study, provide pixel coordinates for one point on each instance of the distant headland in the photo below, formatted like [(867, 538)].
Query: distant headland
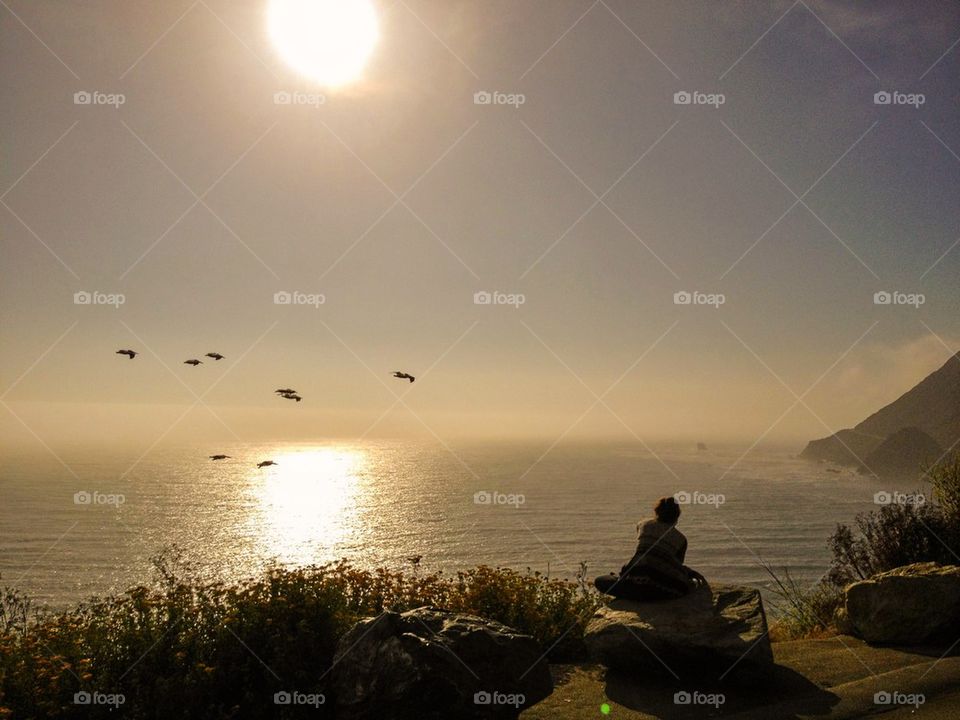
[(917, 429)]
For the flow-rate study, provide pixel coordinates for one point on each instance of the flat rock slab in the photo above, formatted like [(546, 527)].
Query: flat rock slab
[(429, 663), (910, 605), (718, 632)]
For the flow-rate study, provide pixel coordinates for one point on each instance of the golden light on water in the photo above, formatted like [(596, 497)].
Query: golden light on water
[(306, 502), (328, 41)]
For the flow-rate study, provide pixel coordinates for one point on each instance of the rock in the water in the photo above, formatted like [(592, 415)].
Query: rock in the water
[(710, 633), (910, 605), (429, 663)]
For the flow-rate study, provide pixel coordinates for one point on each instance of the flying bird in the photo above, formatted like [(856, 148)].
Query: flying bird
[(193, 362), (265, 463), (291, 396), (403, 375), (129, 353), (215, 356), (219, 457)]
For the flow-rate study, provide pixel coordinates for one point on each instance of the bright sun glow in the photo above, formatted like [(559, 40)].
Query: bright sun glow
[(306, 502), (329, 41)]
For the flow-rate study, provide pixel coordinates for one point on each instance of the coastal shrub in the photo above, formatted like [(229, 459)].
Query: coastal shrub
[(881, 540), (802, 611), (187, 648), (945, 480), (893, 536)]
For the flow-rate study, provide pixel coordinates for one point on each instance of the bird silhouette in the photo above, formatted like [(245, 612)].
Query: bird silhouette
[(403, 375), (129, 353), (265, 463), (215, 356), (285, 391), (219, 457), (193, 362), (291, 396)]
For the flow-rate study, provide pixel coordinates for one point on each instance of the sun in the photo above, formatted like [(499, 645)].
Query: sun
[(328, 41)]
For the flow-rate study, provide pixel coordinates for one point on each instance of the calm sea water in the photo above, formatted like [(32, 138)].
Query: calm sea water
[(64, 536)]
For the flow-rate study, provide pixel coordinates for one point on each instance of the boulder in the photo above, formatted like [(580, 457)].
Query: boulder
[(430, 663), (911, 605), (710, 633)]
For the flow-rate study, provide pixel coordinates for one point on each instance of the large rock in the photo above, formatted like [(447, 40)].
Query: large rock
[(429, 663), (911, 605), (711, 633)]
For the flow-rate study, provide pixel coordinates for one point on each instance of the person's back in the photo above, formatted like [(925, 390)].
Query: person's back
[(656, 570), (660, 549)]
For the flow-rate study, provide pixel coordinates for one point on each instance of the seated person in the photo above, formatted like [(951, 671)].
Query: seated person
[(656, 570)]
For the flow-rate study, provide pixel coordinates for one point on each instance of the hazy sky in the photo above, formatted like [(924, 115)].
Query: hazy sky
[(398, 198)]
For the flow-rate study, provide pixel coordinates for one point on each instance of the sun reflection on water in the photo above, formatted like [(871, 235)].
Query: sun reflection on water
[(306, 503)]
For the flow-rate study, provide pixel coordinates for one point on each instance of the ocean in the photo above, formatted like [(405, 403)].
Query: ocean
[(89, 523)]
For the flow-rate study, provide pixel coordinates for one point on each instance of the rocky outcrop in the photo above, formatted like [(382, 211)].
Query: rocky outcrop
[(912, 605), (932, 406), (905, 451), (429, 663), (710, 633), (846, 447)]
